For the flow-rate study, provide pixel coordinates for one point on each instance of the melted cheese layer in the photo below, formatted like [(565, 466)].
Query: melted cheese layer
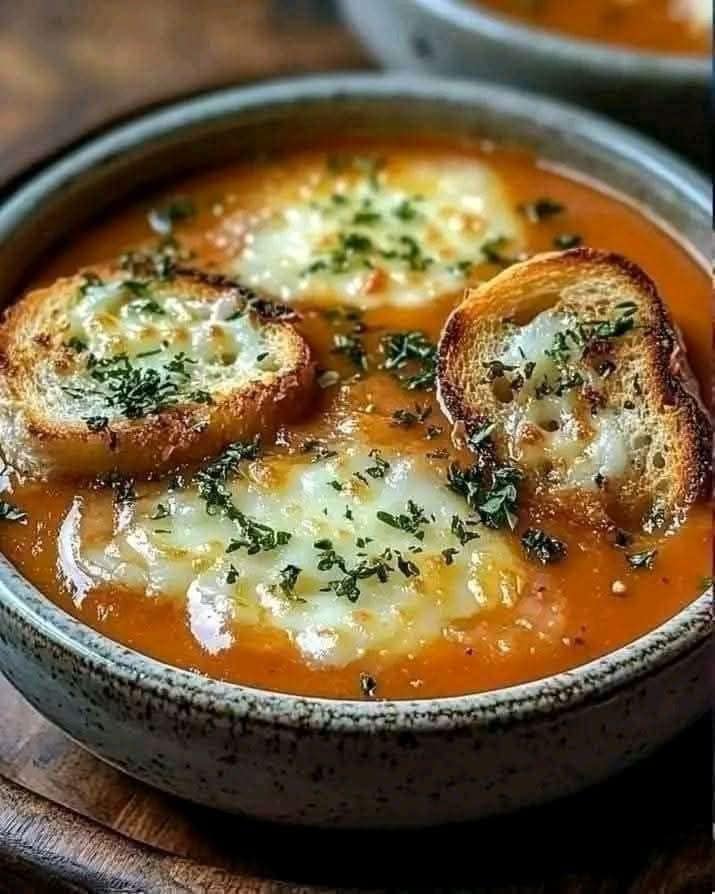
[(580, 448), (192, 345), (369, 232), (698, 13), (168, 544)]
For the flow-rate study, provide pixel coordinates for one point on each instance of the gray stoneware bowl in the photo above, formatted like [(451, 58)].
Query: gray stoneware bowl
[(313, 760), (666, 95)]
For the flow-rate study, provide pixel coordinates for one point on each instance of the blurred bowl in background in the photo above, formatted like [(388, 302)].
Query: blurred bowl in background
[(666, 95)]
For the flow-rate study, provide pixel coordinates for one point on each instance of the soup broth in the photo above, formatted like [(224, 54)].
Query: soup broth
[(379, 592), (665, 26)]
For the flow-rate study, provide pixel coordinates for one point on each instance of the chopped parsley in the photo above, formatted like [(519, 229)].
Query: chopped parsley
[(232, 575), (381, 465), (406, 210), (411, 522), (481, 436), (157, 264), (542, 547), (642, 560), (253, 536), (96, 423), (288, 579), (11, 513), (89, 281), (152, 307), (459, 529), (352, 347), (540, 209), (496, 500), (348, 585), (368, 685), (416, 353), (366, 218), (413, 255), (493, 251), (567, 240), (161, 511), (319, 449), (163, 218), (449, 554), (134, 391), (409, 418), (76, 344)]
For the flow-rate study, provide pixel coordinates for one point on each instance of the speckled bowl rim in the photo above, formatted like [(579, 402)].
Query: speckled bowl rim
[(556, 48), (23, 604)]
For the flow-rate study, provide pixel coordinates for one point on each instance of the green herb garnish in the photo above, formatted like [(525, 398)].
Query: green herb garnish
[(288, 579), (540, 209), (411, 522), (11, 513), (460, 531), (494, 500), (162, 219), (381, 465), (541, 547), (567, 240), (368, 685), (412, 350), (642, 560), (351, 346), (76, 344), (96, 423), (409, 418)]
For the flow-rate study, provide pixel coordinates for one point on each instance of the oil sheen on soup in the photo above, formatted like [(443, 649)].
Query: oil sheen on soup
[(371, 578)]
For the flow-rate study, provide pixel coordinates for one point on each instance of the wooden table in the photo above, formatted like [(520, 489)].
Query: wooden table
[(67, 66)]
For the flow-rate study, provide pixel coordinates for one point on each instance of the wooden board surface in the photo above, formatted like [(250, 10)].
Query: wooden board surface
[(69, 65)]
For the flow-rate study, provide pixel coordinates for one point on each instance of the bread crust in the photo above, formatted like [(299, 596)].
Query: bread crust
[(526, 289), (32, 336)]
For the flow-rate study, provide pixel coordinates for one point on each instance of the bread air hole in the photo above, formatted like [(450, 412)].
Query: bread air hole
[(549, 425), (659, 461), (501, 389)]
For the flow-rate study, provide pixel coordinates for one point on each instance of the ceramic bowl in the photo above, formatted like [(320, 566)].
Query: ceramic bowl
[(666, 95), (312, 760)]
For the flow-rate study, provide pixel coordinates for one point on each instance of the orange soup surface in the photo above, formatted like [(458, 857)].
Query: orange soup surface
[(681, 27), (393, 621)]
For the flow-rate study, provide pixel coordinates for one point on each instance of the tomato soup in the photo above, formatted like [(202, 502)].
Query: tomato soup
[(680, 27), (347, 563)]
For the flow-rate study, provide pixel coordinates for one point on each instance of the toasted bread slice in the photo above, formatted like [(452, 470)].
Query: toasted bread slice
[(568, 366), (106, 371)]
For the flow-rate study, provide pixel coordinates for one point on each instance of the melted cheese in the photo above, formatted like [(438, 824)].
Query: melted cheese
[(558, 432), (192, 345), (167, 544), (367, 232), (698, 13)]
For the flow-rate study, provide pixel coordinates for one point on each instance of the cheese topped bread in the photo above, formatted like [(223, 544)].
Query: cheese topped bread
[(568, 366), (133, 370)]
